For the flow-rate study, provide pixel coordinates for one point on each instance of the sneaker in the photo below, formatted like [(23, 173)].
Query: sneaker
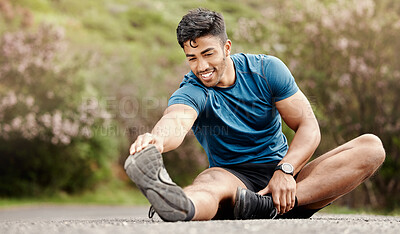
[(146, 169), (251, 205)]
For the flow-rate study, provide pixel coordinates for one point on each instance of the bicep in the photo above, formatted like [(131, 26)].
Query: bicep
[(296, 110)]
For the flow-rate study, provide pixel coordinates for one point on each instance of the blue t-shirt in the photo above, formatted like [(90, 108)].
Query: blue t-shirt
[(240, 123)]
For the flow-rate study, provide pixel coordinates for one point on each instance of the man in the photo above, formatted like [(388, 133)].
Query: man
[(234, 105)]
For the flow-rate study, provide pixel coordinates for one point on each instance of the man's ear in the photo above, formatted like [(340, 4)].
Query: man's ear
[(227, 47)]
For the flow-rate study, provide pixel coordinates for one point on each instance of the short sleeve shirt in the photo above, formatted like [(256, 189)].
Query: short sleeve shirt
[(240, 123)]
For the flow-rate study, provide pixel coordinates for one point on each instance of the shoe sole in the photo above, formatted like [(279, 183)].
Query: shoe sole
[(146, 169)]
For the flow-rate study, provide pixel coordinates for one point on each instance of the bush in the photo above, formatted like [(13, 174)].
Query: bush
[(47, 140)]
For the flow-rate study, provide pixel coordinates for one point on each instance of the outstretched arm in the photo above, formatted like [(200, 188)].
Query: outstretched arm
[(297, 113), (169, 131)]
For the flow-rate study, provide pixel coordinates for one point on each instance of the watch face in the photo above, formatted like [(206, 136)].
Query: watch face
[(287, 168)]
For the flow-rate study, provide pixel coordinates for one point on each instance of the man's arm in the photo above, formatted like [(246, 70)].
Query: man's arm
[(297, 113), (169, 131)]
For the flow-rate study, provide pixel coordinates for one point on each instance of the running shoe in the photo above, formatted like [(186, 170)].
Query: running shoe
[(251, 205), (146, 169)]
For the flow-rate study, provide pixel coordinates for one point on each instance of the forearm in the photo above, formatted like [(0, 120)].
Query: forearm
[(303, 145), (170, 132), (297, 113)]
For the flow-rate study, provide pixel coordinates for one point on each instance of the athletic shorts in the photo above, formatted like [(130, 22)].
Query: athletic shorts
[(256, 177)]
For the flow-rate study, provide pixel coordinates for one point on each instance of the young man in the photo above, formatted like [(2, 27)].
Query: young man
[(234, 105)]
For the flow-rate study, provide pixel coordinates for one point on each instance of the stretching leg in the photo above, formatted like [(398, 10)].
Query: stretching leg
[(211, 188)]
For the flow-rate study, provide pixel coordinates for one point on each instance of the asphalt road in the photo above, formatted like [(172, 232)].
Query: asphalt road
[(118, 219)]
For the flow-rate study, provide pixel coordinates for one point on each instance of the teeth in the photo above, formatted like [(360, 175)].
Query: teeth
[(206, 75)]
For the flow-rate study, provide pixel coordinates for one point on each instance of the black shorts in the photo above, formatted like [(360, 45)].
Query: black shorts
[(256, 177)]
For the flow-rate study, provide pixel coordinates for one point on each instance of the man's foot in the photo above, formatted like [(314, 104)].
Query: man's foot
[(250, 205), (147, 170)]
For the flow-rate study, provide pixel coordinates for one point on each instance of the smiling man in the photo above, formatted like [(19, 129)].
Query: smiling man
[(209, 62), (235, 104)]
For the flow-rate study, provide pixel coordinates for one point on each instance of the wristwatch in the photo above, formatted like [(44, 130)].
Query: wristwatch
[(286, 168)]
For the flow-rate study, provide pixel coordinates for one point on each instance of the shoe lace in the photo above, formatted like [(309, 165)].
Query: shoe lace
[(265, 207)]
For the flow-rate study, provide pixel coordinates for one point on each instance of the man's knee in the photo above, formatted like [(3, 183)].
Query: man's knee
[(212, 179), (373, 150), (210, 175)]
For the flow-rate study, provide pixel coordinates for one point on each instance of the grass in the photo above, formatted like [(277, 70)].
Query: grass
[(112, 193), (335, 209)]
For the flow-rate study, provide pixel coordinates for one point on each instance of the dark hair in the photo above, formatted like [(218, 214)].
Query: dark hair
[(198, 23)]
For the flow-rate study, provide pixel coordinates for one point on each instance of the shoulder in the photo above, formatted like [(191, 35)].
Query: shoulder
[(257, 63), (190, 92), (273, 64), (192, 86), (242, 59)]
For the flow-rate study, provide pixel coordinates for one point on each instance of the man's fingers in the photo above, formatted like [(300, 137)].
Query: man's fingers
[(138, 146), (283, 190), (132, 150), (289, 202), (293, 200), (147, 138), (282, 204), (276, 200), (264, 191), (141, 142)]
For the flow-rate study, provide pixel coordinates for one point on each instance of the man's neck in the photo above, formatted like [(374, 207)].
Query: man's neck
[(229, 75)]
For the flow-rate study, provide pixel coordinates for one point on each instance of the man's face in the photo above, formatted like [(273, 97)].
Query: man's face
[(208, 59)]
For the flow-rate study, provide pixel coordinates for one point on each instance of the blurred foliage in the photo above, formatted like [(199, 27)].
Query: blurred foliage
[(341, 52), (47, 140)]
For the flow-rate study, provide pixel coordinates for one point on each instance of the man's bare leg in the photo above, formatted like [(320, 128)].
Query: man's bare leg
[(339, 171), (209, 189)]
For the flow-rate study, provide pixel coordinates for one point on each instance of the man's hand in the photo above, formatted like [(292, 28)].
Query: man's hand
[(143, 141), (283, 189)]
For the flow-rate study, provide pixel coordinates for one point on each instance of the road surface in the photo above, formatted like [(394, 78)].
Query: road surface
[(119, 219)]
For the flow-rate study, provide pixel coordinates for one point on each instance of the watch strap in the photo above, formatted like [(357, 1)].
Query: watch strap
[(280, 167)]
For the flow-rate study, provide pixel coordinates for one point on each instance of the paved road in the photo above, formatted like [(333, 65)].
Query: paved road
[(117, 219)]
